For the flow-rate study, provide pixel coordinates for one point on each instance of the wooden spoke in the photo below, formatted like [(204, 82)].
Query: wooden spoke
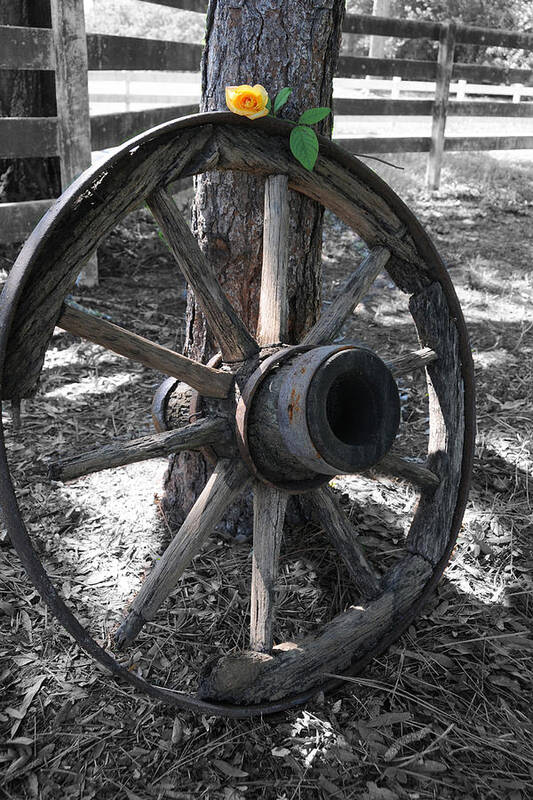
[(416, 359), (228, 481), (190, 437), (207, 381), (323, 508), (236, 343), (269, 515), (273, 306), (350, 294), (397, 467)]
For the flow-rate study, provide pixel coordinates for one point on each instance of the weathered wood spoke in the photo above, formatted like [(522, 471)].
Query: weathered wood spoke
[(228, 481), (269, 515), (273, 306), (236, 343), (409, 362), (323, 507), (209, 431), (350, 294), (397, 467), (208, 381)]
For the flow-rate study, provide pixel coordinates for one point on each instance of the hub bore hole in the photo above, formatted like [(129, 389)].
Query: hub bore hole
[(352, 410)]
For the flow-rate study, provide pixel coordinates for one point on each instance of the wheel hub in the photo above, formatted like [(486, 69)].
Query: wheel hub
[(308, 413)]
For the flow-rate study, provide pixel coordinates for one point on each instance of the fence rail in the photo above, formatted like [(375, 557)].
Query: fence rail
[(27, 48)]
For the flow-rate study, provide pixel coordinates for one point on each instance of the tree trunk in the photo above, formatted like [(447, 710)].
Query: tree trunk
[(27, 93), (291, 43)]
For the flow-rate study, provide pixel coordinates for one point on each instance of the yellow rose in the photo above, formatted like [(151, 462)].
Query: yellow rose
[(248, 101)]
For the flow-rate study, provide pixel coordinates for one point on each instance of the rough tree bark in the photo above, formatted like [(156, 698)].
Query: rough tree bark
[(27, 93), (290, 43)]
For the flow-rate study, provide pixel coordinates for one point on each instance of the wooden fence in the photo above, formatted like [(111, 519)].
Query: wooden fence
[(71, 135)]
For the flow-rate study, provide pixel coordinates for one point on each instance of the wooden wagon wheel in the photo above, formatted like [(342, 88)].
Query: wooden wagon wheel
[(278, 417)]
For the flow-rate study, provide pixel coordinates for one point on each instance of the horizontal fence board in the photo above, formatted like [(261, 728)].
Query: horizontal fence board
[(127, 52), (381, 106), (368, 24), (385, 26), (182, 5), (421, 29), (386, 67), (427, 70), (17, 220), (421, 144), (403, 144), (494, 37), (378, 106), (482, 108), (479, 73), (26, 48), (110, 130), (26, 137)]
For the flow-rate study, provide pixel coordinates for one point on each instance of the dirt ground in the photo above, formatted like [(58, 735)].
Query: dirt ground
[(446, 713)]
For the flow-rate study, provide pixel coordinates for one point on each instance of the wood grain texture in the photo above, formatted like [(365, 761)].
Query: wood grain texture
[(228, 481), (26, 48), (22, 137), (409, 362), (322, 506), (273, 305), (350, 295), (235, 342), (442, 90), (208, 381), (72, 98), (394, 466), (190, 437), (130, 52), (294, 667), (269, 515), (430, 530)]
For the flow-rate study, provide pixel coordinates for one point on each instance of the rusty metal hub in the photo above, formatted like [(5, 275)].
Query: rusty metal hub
[(308, 413)]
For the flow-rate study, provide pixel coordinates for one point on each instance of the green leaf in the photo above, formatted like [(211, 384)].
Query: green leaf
[(304, 145), (269, 105), (313, 115), (281, 98)]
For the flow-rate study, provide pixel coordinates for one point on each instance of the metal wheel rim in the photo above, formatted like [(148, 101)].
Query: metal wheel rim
[(17, 530)]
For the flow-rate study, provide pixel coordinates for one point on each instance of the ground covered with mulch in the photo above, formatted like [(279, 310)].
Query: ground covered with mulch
[(445, 714)]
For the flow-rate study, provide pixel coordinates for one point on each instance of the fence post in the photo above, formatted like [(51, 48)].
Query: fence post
[(72, 93), (442, 90)]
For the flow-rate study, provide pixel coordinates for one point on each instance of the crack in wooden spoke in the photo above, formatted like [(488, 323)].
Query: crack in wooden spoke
[(408, 362), (236, 343), (273, 306), (395, 466), (323, 507), (350, 294), (269, 515), (228, 481), (207, 381), (209, 431)]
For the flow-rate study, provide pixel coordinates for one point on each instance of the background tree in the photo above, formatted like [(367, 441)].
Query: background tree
[(291, 43)]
